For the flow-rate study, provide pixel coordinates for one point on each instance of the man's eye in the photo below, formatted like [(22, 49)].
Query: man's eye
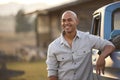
[(63, 20), (69, 19)]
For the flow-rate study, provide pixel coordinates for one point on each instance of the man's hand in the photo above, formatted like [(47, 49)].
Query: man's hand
[(53, 78), (100, 65)]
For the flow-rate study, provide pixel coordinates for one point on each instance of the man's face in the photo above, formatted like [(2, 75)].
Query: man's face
[(69, 22)]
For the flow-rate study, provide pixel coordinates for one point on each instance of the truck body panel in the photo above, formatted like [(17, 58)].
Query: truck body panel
[(106, 24)]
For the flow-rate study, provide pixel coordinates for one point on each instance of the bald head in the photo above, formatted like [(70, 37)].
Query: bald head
[(69, 12), (69, 22)]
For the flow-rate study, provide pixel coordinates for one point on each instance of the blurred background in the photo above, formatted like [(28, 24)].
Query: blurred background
[(28, 26)]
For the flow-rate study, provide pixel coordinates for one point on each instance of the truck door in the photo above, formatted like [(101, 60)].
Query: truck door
[(114, 69), (116, 31)]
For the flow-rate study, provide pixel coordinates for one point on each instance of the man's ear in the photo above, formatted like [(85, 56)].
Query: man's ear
[(77, 21)]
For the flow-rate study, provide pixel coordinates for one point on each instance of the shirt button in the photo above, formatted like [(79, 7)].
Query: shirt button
[(62, 58), (75, 73), (74, 63), (84, 51)]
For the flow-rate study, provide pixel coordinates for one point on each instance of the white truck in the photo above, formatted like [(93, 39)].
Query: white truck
[(106, 24)]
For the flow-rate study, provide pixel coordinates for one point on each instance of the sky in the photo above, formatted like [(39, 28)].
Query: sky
[(12, 6), (33, 1)]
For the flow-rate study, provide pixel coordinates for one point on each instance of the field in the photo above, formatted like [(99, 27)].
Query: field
[(9, 43), (33, 70)]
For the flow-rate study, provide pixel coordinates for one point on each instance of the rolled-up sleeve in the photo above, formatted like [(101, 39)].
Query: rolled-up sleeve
[(51, 62)]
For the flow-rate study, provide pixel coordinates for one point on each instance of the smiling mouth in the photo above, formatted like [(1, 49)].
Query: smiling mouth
[(67, 26)]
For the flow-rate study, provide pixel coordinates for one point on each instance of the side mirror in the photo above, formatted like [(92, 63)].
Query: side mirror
[(116, 42), (115, 38)]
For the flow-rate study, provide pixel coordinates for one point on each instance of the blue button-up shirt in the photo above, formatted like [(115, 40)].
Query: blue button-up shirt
[(73, 63)]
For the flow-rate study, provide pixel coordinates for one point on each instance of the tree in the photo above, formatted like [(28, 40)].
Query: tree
[(22, 23)]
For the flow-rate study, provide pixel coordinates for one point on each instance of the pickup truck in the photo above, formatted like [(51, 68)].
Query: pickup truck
[(106, 24)]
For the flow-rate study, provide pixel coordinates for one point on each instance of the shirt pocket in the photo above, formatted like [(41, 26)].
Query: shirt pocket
[(82, 55), (83, 52), (64, 60), (64, 57)]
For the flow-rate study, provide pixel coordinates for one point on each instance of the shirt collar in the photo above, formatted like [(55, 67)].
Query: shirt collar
[(62, 38), (63, 41)]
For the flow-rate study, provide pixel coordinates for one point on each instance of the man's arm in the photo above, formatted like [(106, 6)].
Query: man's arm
[(52, 64), (100, 65)]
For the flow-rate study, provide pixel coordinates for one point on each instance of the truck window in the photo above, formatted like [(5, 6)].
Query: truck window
[(116, 20), (96, 25)]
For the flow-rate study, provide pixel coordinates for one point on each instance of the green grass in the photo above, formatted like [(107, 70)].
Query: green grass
[(33, 70)]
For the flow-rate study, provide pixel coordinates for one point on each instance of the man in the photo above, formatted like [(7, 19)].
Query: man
[(69, 56)]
